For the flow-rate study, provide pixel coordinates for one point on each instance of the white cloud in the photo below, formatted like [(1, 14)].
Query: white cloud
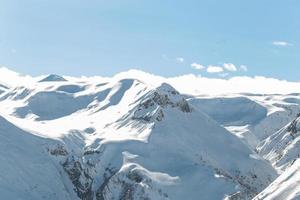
[(214, 69), (230, 67), (281, 43), (187, 84), (191, 84), (14, 79), (197, 66), (244, 68), (180, 59)]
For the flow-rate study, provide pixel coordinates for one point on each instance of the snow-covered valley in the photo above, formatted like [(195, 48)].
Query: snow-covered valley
[(140, 136)]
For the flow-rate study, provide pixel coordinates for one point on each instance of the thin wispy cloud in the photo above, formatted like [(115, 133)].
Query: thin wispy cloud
[(281, 43), (180, 59), (214, 69), (230, 67), (197, 66)]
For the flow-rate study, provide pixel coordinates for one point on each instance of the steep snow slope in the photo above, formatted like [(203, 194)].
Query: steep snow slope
[(125, 139), (283, 147), (176, 144), (251, 117), (285, 187), (277, 134), (232, 111), (3, 88), (26, 170)]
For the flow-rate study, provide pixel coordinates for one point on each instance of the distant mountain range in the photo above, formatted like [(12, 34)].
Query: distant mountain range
[(137, 136)]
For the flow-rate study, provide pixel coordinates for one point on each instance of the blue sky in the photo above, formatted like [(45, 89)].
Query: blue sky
[(97, 37)]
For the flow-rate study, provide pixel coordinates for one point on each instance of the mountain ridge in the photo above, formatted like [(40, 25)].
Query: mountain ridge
[(128, 138)]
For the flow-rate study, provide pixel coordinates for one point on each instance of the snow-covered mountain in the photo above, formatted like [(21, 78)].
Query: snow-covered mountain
[(283, 147), (134, 136), (286, 186), (282, 150), (27, 169), (3, 88)]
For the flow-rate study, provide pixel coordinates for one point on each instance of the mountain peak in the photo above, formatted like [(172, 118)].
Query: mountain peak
[(53, 78), (167, 88), (164, 96)]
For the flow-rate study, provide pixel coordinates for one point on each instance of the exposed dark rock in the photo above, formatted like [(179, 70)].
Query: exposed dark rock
[(152, 107), (127, 192), (90, 152), (292, 128), (160, 115), (135, 176), (109, 173), (80, 178), (59, 150), (90, 130)]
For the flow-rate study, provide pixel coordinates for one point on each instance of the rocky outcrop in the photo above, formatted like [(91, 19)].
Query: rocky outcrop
[(79, 173), (80, 178), (129, 183), (58, 150), (293, 128), (165, 96)]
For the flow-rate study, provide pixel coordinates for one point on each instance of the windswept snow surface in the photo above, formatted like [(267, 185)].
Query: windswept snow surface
[(285, 187), (26, 170), (234, 111), (282, 148), (134, 136), (3, 88)]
